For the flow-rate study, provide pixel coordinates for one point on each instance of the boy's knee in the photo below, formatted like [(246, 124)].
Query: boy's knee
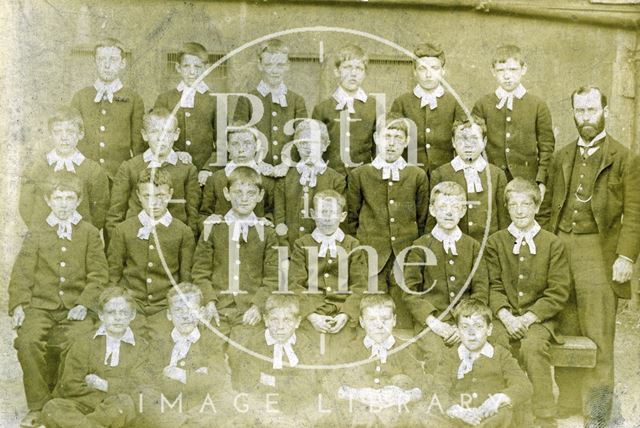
[(30, 341), (531, 345)]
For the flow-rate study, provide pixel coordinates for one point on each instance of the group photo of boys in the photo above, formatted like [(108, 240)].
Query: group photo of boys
[(208, 256)]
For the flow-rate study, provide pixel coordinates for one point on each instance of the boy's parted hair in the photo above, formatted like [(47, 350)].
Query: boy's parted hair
[(65, 182), (66, 114), (428, 50), (194, 49), (308, 128), (522, 185), (244, 174), (159, 113), (273, 46), (371, 300), (583, 90), (468, 123), (185, 288), (109, 42), (278, 301), (330, 194), (349, 52), (393, 120), (447, 188), (470, 306), (155, 176), (114, 292), (504, 52)]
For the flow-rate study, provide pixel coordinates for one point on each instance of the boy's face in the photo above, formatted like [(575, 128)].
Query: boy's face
[(351, 74), (242, 147), (469, 142), (428, 72), (328, 215), (391, 143), (109, 63), (154, 199), (378, 322), (116, 316), (190, 68), (273, 67), (282, 323), (309, 149), (160, 139), (243, 197), (184, 312), (63, 203), (522, 210), (589, 115), (474, 332), (65, 136), (448, 210), (509, 73)]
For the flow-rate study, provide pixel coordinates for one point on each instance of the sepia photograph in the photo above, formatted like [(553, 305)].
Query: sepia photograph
[(320, 213)]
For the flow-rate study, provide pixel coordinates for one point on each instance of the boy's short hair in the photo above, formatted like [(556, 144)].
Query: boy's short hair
[(65, 182), (371, 300), (447, 188), (522, 185), (583, 90), (470, 306), (194, 49), (236, 128), (349, 52), (159, 113), (432, 50), (66, 114), (186, 288), (273, 46), (393, 120), (330, 194), (504, 52), (114, 292), (276, 301), (155, 176), (308, 126), (244, 174), (467, 123), (109, 42)]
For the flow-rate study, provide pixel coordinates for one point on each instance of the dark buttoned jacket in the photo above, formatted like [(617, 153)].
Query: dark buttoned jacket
[(52, 273), (387, 215), (111, 130), (615, 197), (521, 140)]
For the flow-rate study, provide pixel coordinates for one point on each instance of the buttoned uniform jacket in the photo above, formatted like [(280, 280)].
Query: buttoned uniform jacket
[(519, 141), (54, 273), (474, 222), (137, 264), (111, 130), (362, 125), (539, 283), (125, 202), (615, 196), (387, 215), (301, 268), (434, 127), (288, 200), (489, 376), (197, 125), (442, 283), (273, 120), (93, 205), (86, 356), (257, 268)]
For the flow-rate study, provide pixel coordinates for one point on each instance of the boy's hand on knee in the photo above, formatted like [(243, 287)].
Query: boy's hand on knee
[(622, 269), (440, 328), (185, 158), (516, 329), (470, 416), (321, 323), (340, 321), (210, 311), (251, 316), (18, 316), (175, 373), (77, 313), (454, 337), (203, 176), (492, 404), (96, 382)]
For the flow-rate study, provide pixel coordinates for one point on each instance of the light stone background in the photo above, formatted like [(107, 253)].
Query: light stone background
[(46, 56)]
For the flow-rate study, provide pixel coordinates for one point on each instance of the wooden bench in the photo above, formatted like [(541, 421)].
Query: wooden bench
[(576, 351)]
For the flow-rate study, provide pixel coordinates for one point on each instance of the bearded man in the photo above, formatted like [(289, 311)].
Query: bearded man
[(593, 205)]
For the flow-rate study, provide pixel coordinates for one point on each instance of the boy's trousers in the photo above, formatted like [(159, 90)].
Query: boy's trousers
[(115, 411)]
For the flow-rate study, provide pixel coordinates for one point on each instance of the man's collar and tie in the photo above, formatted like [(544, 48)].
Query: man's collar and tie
[(428, 98), (506, 98), (389, 170), (525, 237), (65, 227), (149, 224), (587, 149), (240, 227), (106, 90), (282, 349), (148, 157), (65, 163), (467, 358), (328, 243), (448, 239), (278, 94), (112, 351), (471, 172), (187, 99), (345, 100), (309, 171), (182, 344), (379, 350)]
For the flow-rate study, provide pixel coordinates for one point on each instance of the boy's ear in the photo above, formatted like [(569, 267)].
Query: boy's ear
[(312, 212), (361, 321), (176, 134), (605, 112), (336, 72), (100, 317), (343, 216), (524, 69), (145, 136), (177, 67), (393, 324), (261, 195), (123, 63), (168, 314), (490, 329), (227, 195), (298, 321), (432, 210)]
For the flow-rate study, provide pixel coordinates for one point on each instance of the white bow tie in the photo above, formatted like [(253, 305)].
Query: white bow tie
[(379, 350), (280, 349), (240, 227), (467, 358), (506, 98), (65, 227), (428, 98), (187, 99), (526, 237), (278, 95), (148, 224), (328, 243), (389, 170), (182, 344), (106, 90), (448, 239), (471, 172), (65, 163), (309, 173)]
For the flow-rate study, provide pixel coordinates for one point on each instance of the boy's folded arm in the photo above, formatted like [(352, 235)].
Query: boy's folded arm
[(354, 203), (556, 294), (497, 294), (545, 141), (202, 272), (97, 271), (120, 193), (23, 272), (422, 203), (116, 256), (480, 280), (419, 304), (99, 198), (71, 383), (269, 281), (192, 194), (137, 143), (519, 389), (187, 249)]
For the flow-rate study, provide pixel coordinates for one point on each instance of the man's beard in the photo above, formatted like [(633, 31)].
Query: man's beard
[(588, 130)]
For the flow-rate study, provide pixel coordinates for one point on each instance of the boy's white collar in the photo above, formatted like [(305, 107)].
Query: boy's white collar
[(524, 237), (345, 100), (379, 350), (64, 226), (65, 163), (106, 89), (506, 98), (148, 157), (428, 98), (467, 358), (281, 349), (201, 87), (389, 170), (278, 94), (327, 242), (448, 239), (471, 170), (127, 337)]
